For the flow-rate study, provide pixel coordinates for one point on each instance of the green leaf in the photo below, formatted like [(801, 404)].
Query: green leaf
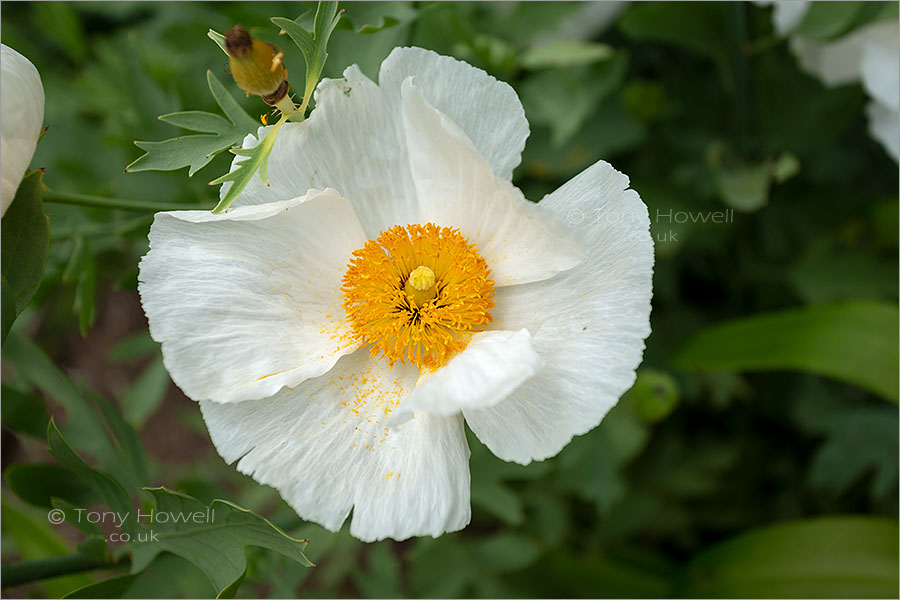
[(223, 526), (381, 577), (832, 557), (114, 587), (122, 453), (852, 342), (505, 552), (579, 89), (257, 161), (24, 412), (94, 544), (862, 441), (218, 38), (8, 303), (36, 368), (828, 20), (37, 484), (146, 394), (372, 17), (134, 346), (196, 151), (312, 44), (85, 297), (564, 53), (33, 538), (25, 240), (103, 485)]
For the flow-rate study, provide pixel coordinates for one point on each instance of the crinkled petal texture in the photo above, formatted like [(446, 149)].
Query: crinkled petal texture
[(21, 119), (588, 324), (354, 141), (326, 448), (247, 302)]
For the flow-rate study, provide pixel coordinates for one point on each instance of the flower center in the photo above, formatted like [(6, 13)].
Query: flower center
[(417, 293)]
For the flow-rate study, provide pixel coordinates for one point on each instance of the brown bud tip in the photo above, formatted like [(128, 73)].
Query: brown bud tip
[(238, 42)]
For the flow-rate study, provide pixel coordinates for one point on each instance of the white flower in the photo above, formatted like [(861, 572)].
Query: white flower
[(870, 54), (282, 316), (21, 118)]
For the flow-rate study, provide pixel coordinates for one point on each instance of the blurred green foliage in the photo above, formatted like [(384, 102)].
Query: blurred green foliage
[(706, 479)]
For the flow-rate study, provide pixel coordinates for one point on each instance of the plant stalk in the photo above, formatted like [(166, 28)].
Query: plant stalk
[(115, 203), (19, 573)]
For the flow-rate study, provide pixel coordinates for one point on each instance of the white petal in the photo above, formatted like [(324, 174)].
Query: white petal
[(353, 142), (247, 302), (487, 371), (881, 63), (520, 241), (21, 119), (788, 14), (325, 448), (488, 110), (835, 63), (588, 324), (884, 126)]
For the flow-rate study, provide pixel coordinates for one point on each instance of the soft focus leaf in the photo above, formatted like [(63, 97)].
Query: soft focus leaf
[(853, 342), (34, 538), (828, 20), (146, 394), (372, 17), (564, 53), (25, 238), (829, 557), (114, 587), (37, 484), (24, 412)]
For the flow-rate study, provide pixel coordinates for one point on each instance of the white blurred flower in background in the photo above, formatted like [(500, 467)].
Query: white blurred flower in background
[(869, 54), (21, 118)]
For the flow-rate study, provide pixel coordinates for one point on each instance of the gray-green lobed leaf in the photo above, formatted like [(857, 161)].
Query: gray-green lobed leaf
[(196, 151)]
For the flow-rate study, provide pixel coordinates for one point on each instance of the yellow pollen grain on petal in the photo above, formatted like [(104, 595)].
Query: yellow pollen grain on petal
[(417, 293)]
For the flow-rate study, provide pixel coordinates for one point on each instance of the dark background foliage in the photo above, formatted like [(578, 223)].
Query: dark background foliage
[(676, 491)]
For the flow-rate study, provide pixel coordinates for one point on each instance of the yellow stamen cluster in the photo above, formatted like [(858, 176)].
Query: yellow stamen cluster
[(417, 293)]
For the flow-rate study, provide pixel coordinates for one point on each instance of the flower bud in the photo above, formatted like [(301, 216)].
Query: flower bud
[(256, 66)]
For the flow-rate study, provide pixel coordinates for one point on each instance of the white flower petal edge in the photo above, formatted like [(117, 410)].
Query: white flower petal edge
[(520, 241), (493, 365), (21, 119), (884, 126), (249, 301), (371, 166), (486, 109), (835, 63), (325, 448), (881, 63), (588, 324)]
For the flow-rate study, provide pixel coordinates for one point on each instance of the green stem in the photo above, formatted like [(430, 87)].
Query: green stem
[(19, 573), (117, 203)]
